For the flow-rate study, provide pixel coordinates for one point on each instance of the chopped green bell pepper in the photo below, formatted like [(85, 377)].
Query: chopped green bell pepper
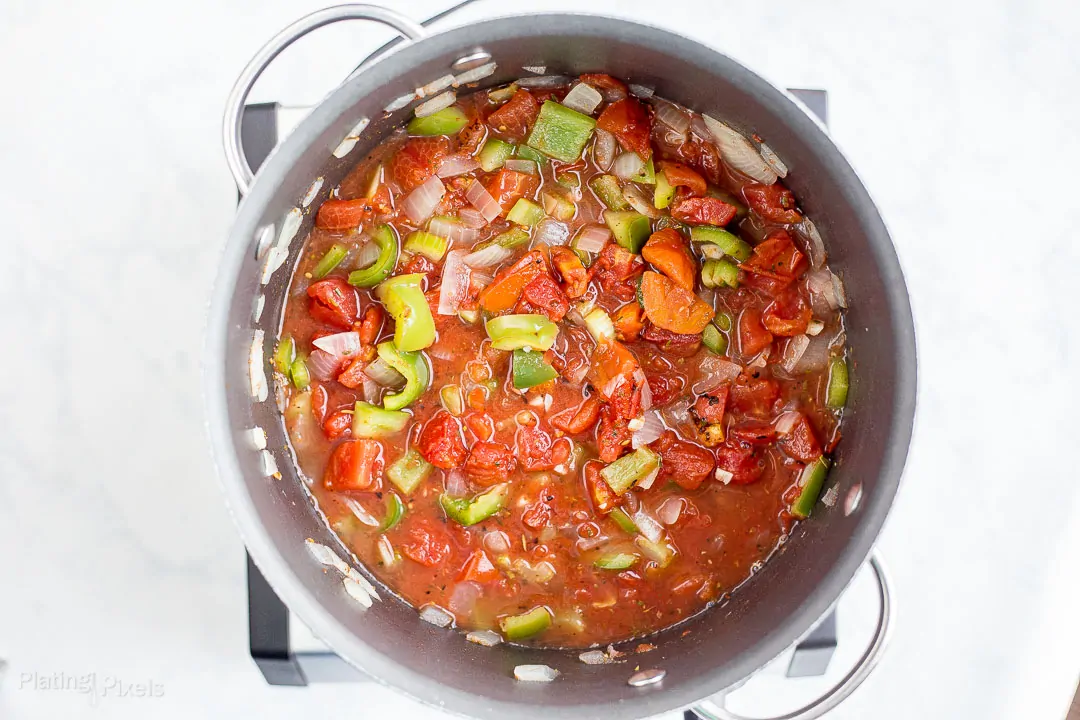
[(664, 192), (329, 261), (395, 509), (837, 389), (616, 561), (372, 421), (520, 627), (812, 480), (469, 512), (413, 366), (713, 339), (299, 374), (631, 229), (646, 175), (370, 276), (452, 400), (606, 187), (559, 207), (285, 355), (448, 121), (659, 552), (512, 238), (525, 212), (627, 470), (494, 154), (527, 153), (730, 244), (403, 297), (408, 471), (433, 247), (724, 321), (510, 332), (715, 273), (560, 132), (624, 521), (530, 369)]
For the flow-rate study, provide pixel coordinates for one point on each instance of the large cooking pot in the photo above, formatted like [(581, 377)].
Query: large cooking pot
[(276, 513)]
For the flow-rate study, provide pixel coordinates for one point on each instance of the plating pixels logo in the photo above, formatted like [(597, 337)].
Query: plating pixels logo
[(96, 687)]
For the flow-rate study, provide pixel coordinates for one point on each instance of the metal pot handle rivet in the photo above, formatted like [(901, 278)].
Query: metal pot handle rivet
[(714, 709), (234, 107)]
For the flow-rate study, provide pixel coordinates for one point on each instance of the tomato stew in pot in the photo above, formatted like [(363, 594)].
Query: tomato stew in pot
[(564, 361)]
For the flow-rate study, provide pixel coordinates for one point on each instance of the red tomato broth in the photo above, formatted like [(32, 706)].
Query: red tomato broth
[(725, 531)]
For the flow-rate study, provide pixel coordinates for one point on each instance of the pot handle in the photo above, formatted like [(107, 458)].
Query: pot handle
[(714, 708), (234, 106)]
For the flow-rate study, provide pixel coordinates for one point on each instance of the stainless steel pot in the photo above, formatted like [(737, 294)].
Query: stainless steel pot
[(276, 514)]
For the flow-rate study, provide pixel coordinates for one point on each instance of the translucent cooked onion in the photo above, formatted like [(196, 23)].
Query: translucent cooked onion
[(487, 638), (670, 510), (361, 514), (646, 391), (356, 591), (455, 282), (737, 151), (773, 160), (633, 194), (386, 551), (472, 218), (475, 75), (820, 283), (650, 431), (604, 147), (522, 165), (640, 91), (584, 98), (715, 372), (535, 673), (435, 86), (481, 199), (455, 484), (813, 238), (463, 599), (421, 202), (672, 115), (724, 476), (489, 256), (786, 421), (497, 542), (368, 254), (698, 128), (627, 165), (551, 232), (455, 232), (435, 104), (648, 526), (543, 81), (793, 351), (592, 238), (383, 374), (595, 657), (436, 616), (457, 165), (339, 345), (322, 365)]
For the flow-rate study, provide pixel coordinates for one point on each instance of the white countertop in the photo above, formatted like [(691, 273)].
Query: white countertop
[(116, 554)]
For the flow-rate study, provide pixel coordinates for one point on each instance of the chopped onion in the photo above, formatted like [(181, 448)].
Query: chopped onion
[(672, 115), (820, 283), (627, 165), (479, 280), (323, 554), (381, 372), (715, 372), (455, 282), (793, 351), (371, 390), (522, 165), (535, 673), (340, 344), (838, 289), (724, 476), (453, 231), (356, 591), (815, 327), (455, 484), (361, 514), (543, 81), (760, 359), (595, 657), (386, 551), (640, 91), (786, 421), (737, 151), (421, 202), (698, 127), (474, 75), (813, 237), (481, 199), (670, 510), (773, 160), (672, 138), (489, 256), (604, 148), (633, 194), (551, 232), (584, 98), (646, 391), (435, 104), (497, 542), (322, 365), (472, 218), (463, 598), (367, 255), (435, 86), (648, 525), (586, 544), (815, 355), (454, 165), (650, 431), (592, 238), (487, 638), (436, 616)]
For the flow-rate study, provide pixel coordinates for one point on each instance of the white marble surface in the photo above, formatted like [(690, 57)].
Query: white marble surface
[(116, 555)]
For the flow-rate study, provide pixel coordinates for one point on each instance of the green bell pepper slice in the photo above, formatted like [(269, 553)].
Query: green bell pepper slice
[(561, 208), (370, 276), (624, 521), (413, 366), (520, 627), (560, 132), (606, 187), (627, 470), (527, 153), (715, 273), (421, 242), (812, 480), (395, 509), (408, 471), (631, 229), (724, 320), (403, 297), (646, 175), (526, 212), (659, 552), (664, 192), (448, 121), (298, 373), (494, 153), (713, 339), (616, 561), (837, 389), (468, 512), (372, 421), (510, 332), (730, 244), (329, 261), (530, 369), (285, 355)]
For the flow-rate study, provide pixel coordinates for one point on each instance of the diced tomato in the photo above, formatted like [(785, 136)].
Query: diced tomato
[(575, 420), (610, 87), (418, 159), (472, 136), (753, 337), (628, 322), (800, 442), (703, 157), (574, 275), (664, 389), (334, 302), (702, 210), (509, 186), (478, 568), (516, 116), (354, 466), (490, 463), (688, 464), (774, 203), (603, 498), (503, 292), (744, 462), (711, 406), (478, 422), (371, 323), (776, 256), (754, 432), (612, 363), (613, 435), (677, 344), (426, 543), (536, 515), (534, 446), (617, 270), (678, 174), (667, 251), (546, 296), (787, 315), (344, 214), (631, 123), (320, 401), (353, 375), (382, 201), (441, 443), (754, 395), (420, 264), (337, 424)]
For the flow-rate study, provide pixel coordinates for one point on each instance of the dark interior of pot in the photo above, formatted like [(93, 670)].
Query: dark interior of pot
[(714, 649)]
